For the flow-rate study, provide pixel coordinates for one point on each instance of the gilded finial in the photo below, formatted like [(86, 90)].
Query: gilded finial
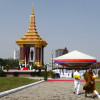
[(32, 10)]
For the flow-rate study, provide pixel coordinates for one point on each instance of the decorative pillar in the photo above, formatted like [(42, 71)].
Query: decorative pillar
[(37, 51), (21, 55), (42, 55), (27, 53), (39, 54)]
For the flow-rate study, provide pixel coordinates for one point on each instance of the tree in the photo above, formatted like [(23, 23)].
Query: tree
[(2, 73), (11, 62), (45, 66), (7, 67), (2, 62)]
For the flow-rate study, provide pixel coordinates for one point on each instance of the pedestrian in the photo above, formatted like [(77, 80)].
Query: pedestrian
[(77, 77), (89, 86)]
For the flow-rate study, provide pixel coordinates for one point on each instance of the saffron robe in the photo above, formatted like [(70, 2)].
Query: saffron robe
[(89, 87)]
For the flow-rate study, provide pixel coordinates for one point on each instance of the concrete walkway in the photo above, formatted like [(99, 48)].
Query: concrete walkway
[(51, 90)]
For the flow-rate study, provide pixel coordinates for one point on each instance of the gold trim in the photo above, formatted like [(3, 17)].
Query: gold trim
[(38, 63), (21, 45), (21, 62)]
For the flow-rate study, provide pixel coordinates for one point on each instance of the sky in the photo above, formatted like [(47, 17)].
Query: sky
[(74, 24)]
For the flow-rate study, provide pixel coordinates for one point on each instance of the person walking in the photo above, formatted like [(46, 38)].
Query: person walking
[(77, 77), (89, 86)]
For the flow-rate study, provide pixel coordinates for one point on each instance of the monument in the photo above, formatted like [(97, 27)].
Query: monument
[(31, 45)]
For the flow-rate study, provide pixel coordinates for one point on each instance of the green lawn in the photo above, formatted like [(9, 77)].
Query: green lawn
[(98, 77), (7, 83), (97, 83)]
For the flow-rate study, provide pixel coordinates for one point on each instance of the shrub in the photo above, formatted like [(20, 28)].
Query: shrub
[(45, 67), (39, 71), (45, 75), (15, 74), (32, 74), (7, 67), (2, 73), (35, 67), (51, 74), (84, 75)]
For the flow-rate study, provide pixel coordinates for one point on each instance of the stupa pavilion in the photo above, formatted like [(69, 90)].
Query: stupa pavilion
[(31, 40)]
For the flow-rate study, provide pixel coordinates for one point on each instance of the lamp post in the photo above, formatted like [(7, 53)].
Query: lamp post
[(52, 58)]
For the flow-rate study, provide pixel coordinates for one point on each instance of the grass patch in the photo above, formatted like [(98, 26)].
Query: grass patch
[(97, 84), (98, 77), (7, 83)]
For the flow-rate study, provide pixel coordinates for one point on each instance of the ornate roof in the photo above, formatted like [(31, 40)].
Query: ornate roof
[(31, 37)]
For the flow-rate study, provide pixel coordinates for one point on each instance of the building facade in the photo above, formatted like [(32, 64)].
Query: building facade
[(16, 54), (60, 52)]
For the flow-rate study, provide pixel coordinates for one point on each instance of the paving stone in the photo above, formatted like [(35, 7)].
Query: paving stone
[(55, 90)]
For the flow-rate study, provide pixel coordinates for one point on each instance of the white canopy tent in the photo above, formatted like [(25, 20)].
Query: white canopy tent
[(75, 59)]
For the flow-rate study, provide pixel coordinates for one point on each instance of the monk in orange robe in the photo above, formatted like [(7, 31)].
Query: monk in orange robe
[(89, 87)]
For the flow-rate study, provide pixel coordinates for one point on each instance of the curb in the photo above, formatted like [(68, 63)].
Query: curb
[(19, 88)]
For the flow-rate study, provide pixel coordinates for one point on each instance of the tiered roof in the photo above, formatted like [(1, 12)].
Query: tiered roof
[(31, 37)]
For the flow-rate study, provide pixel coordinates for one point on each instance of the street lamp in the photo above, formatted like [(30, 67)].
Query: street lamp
[(52, 58)]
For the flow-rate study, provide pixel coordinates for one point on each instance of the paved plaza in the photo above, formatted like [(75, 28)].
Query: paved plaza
[(50, 90)]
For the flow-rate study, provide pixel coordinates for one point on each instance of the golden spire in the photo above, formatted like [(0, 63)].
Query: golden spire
[(31, 37), (32, 10), (32, 27)]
